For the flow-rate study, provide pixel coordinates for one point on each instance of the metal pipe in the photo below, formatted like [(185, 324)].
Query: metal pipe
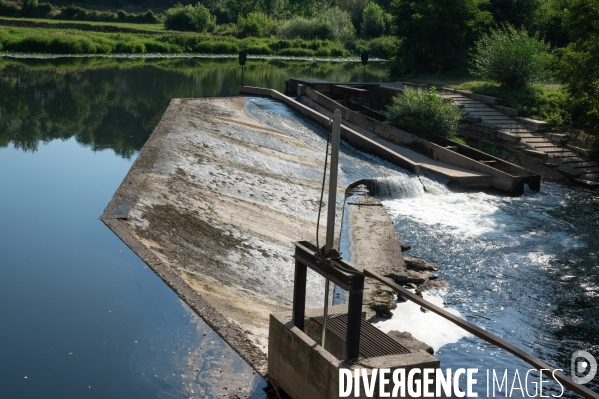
[(331, 209), (485, 335)]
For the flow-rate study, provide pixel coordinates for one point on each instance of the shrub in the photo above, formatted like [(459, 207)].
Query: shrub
[(189, 18), (334, 24), (255, 24), (323, 52), (300, 27), (339, 23), (510, 57), (383, 46), (374, 21), (8, 9), (424, 111), (216, 47), (159, 47), (31, 8), (258, 49)]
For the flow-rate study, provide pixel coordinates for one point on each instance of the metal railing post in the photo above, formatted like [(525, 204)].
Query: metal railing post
[(331, 210)]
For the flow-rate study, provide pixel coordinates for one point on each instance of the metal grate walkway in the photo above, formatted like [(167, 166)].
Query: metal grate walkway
[(373, 342)]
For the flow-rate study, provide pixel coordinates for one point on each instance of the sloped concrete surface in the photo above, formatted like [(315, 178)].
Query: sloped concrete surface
[(212, 204)]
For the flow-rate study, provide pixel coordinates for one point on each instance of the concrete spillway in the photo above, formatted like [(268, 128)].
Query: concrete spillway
[(215, 200)]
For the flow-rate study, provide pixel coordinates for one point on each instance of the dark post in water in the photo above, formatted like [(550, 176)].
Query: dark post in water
[(242, 57), (364, 56)]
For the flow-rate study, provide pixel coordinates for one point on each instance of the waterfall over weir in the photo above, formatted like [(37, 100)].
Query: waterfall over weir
[(524, 268)]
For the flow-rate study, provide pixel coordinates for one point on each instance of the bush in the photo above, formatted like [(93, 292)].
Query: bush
[(8, 9), (510, 57), (28, 8), (382, 47), (258, 49), (424, 111), (333, 24), (255, 24), (339, 23), (374, 21), (31, 8), (303, 28), (323, 52), (216, 47), (189, 18)]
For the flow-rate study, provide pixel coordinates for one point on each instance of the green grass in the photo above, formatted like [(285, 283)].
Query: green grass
[(543, 101), (448, 79), (157, 27), (539, 101), (75, 41)]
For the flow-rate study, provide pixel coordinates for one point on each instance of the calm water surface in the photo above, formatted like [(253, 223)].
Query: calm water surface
[(81, 315)]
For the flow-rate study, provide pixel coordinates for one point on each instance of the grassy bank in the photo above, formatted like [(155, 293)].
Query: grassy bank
[(74, 41), (544, 101), (32, 22)]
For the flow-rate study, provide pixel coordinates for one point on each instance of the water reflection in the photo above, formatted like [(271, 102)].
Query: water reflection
[(116, 103)]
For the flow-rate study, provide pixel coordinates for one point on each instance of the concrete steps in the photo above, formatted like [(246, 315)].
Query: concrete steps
[(493, 122)]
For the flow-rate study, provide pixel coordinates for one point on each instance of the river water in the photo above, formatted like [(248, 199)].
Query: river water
[(80, 314), (524, 268), (83, 317)]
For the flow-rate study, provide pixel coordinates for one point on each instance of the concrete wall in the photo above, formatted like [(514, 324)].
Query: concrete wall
[(303, 369), (501, 179)]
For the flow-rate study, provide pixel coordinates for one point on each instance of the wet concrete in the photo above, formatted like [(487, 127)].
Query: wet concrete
[(212, 205)]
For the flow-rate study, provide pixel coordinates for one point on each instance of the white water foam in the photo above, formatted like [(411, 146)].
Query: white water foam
[(408, 317)]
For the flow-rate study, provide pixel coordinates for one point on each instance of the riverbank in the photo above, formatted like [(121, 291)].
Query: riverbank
[(75, 38), (541, 101)]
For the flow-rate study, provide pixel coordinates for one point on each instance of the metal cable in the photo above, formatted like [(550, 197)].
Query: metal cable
[(324, 175)]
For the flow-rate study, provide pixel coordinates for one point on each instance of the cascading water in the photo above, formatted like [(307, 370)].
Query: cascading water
[(524, 268)]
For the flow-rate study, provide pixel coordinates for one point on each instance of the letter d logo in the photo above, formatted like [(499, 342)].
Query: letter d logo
[(580, 367)]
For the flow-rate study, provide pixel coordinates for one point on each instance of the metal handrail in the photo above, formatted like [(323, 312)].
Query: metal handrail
[(480, 333)]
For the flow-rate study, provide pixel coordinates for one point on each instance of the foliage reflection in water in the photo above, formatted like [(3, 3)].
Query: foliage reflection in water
[(116, 103)]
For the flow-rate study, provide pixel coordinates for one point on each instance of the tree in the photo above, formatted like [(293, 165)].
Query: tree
[(354, 8), (436, 34), (519, 13), (189, 18), (373, 24), (510, 57), (578, 67)]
